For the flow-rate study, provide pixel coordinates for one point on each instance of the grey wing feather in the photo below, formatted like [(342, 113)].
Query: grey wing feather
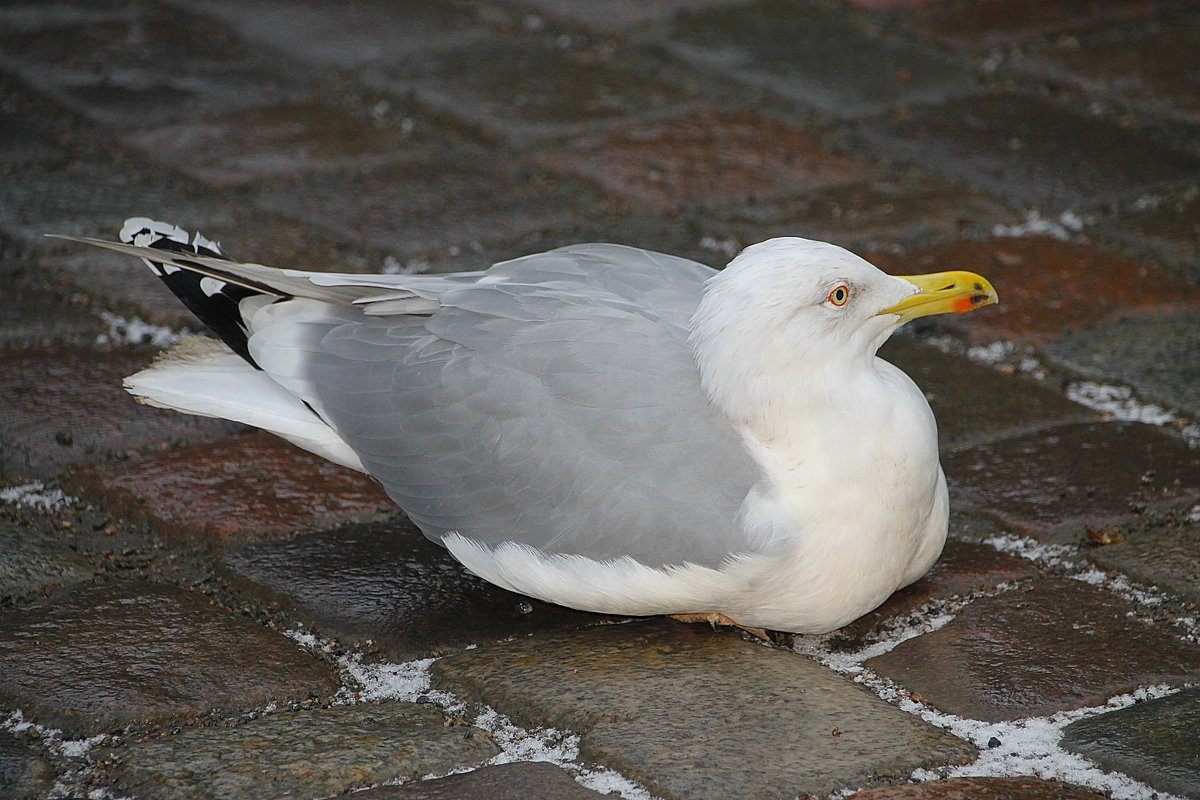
[(404, 293), (554, 402)]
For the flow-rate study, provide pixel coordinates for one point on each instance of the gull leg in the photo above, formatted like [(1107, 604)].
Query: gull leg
[(717, 620)]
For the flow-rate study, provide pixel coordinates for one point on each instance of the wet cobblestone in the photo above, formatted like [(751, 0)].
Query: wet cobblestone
[(668, 707), (388, 584), (982, 789), (1152, 741), (308, 753), (1054, 484), (96, 658), (1052, 645)]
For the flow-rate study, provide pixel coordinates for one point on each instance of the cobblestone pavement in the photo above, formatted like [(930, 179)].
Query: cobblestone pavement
[(191, 609)]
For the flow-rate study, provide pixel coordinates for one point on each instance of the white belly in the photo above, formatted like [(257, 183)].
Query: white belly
[(806, 589)]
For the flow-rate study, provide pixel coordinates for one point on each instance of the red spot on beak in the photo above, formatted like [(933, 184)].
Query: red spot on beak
[(965, 303)]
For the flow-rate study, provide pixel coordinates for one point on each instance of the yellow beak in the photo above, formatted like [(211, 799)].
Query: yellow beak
[(944, 293)]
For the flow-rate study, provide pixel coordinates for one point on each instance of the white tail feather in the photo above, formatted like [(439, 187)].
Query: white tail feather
[(204, 377)]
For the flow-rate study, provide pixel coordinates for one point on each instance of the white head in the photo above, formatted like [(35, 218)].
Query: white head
[(788, 309)]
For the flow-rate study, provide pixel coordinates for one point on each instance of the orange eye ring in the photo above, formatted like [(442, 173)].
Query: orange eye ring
[(839, 295)]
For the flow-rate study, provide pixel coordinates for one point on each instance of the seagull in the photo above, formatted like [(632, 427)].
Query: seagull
[(599, 426)]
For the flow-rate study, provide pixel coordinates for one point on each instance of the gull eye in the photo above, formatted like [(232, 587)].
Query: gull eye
[(839, 295)]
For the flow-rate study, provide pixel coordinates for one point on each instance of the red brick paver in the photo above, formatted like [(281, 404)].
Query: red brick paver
[(242, 488), (710, 159)]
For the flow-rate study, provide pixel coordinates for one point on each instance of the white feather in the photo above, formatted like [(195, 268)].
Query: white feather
[(204, 377)]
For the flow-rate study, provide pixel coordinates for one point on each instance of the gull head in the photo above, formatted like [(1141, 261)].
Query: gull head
[(788, 308)]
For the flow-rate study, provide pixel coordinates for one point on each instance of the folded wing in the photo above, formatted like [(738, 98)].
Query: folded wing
[(554, 402)]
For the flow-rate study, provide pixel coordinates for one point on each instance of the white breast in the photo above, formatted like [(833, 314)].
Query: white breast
[(853, 506)]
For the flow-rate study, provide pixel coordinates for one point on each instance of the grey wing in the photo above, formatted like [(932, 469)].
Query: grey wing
[(555, 402)]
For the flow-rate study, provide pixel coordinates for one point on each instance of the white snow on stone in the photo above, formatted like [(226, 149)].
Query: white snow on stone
[(394, 266), (992, 62), (305, 639), (386, 681), (1029, 747), (1118, 402), (135, 331), (15, 722), (1032, 746), (410, 681), (849, 663), (1072, 221), (1001, 355), (551, 745), (104, 794), (992, 353), (75, 751), (1065, 227), (1191, 435), (1045, 555), (35, 495), (726, 247), (519, 744), (605, 781), (78, 748), (1120, 584), (1066, 558)]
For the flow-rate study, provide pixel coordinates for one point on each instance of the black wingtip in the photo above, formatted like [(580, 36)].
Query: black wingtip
[(213, 301)]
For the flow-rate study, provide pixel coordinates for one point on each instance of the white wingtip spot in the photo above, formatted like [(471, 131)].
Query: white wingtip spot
[(199, 241), (142, 231), (211, 286)]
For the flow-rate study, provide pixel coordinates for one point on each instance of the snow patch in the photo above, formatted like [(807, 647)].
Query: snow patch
[(1004, 356), (75, 779), (386, 681), (308, 640), (849, 663), (1032, 746), (52, 738), (394, 266), (1191, 435), (1122, 586), (410, 681), (992, 353), (726, 247), (1019, 748), (605, 781), (79, 748), (135, 331), (1065, 227), (944, 343), (1045, 555), (1118, 402), (35, 495), (519, 744)]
